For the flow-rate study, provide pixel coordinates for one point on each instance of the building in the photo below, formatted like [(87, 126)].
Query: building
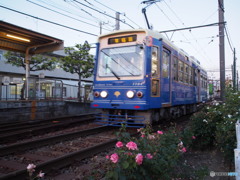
[(56, 84)]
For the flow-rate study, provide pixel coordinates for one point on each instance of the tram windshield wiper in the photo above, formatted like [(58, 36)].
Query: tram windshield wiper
[(114, 73)]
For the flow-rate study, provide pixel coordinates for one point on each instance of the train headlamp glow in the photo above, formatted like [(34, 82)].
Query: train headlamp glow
[(130, 94), (103, 94)]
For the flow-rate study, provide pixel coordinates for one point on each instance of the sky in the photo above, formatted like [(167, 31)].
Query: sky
[(83, 19)]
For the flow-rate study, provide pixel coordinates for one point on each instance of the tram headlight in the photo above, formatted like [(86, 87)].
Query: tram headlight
[(130, 94), (103, 94)]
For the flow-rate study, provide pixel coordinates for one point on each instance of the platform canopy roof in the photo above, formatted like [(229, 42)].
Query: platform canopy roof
[(15, 38)]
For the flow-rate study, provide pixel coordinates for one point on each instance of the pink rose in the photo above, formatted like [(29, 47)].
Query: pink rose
[(131, 146), (159, 132), (151, 137), (149, 156), (193, 137), (41, 175), (119, 144), (114, 158), (183, 150), (31, 167), (139, 159), (107, 157)]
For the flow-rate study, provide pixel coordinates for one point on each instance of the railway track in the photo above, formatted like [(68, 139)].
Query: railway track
[(58, 151), (12, 132)]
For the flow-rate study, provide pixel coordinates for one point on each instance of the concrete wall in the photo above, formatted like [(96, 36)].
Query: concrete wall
[(12, 111)]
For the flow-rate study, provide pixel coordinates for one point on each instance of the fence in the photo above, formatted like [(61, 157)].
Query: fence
[(43, 88)]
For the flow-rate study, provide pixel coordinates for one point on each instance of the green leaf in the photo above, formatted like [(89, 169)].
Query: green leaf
[(125, 165)]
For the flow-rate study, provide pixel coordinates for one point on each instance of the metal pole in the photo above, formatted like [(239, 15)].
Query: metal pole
[(221, 48), (145, 15), (27, 73), (100, 24), (117, 20), (237, 82), (234, 69)]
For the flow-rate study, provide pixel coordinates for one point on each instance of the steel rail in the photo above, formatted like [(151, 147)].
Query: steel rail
[(39, 130), (5, 150), (62, 161)]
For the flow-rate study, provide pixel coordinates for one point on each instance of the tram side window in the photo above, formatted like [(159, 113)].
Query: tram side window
[(202, 82), (205, 82), (155, 65), (180, 71), (195, 77), (186, 73), (191, 71), (165, 66), (175, 69)]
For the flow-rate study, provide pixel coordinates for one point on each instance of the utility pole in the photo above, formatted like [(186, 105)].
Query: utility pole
[(234, 69), (221, 48), (117, 21), (237, 81), (100, 24)]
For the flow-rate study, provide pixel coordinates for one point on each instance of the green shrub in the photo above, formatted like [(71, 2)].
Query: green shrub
[(150, 156), (214, 125)]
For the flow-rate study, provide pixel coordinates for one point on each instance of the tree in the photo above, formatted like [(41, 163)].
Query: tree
[(37, 63), (78, 61)]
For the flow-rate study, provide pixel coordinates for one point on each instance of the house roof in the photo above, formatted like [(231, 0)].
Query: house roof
[(15, 38)]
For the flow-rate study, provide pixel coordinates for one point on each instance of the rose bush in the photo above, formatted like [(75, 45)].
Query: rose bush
[(214, 125), (149, 156)]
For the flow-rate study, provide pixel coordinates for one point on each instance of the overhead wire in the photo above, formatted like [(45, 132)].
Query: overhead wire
[(103, 13), (117, 11), (65, 15), (196, 39), (229, 39), (174, 24), (96, 19), (63, 9), (51, 22)]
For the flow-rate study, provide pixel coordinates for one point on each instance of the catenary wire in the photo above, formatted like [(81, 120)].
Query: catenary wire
[(65, 15), (103, 13), (47, 21)]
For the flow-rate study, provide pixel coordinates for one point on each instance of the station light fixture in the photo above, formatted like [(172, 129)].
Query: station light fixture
[(18, 38)]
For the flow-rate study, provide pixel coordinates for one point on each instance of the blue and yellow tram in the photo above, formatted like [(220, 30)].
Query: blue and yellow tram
[(140, 76)]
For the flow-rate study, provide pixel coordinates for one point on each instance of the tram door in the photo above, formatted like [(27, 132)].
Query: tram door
[(155, 75)]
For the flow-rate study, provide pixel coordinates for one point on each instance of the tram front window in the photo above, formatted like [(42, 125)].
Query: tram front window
[(121, 61)]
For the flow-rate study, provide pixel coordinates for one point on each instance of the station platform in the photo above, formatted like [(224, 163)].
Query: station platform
[(24, 110)]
